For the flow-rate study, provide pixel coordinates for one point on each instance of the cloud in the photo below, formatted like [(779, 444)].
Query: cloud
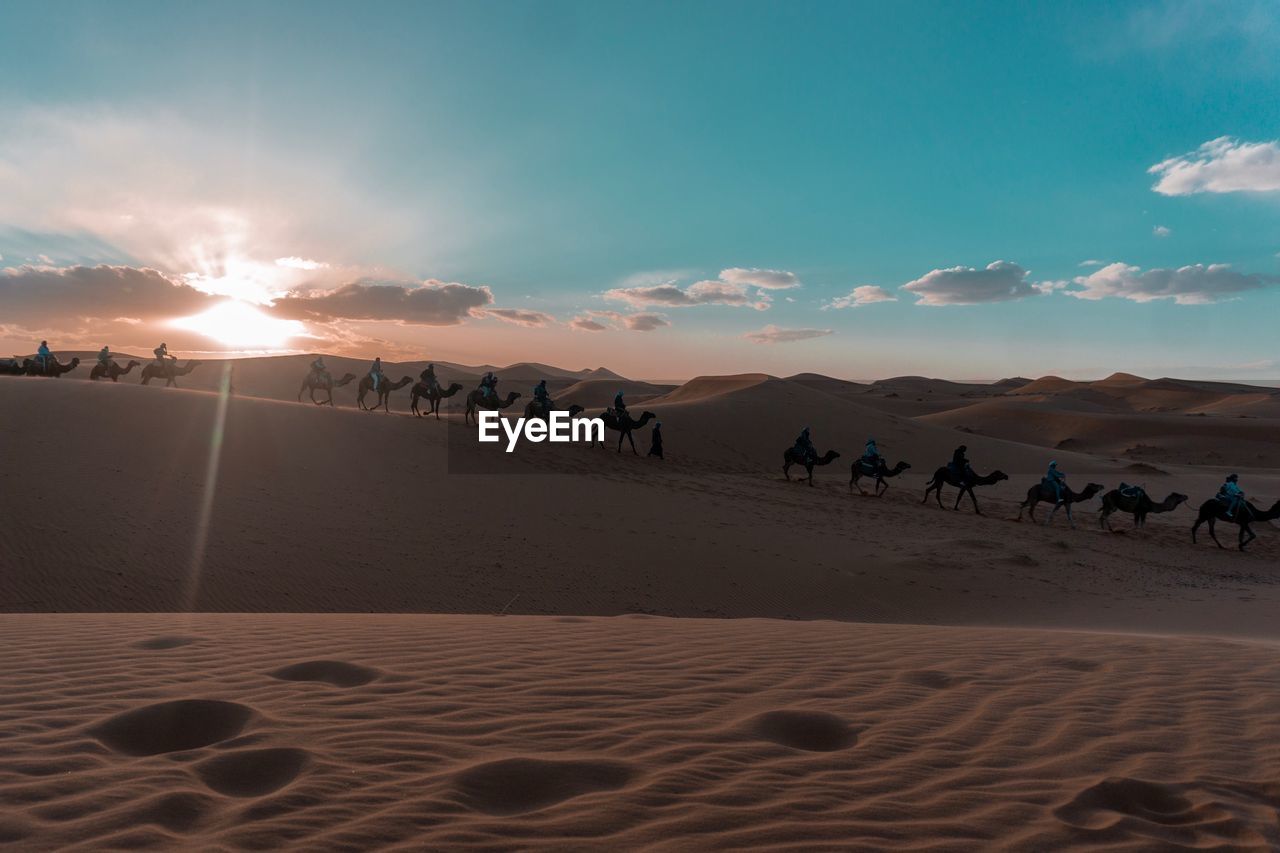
[(1190, 285), (1000, 281), (1222, 165), (645, 322), (736, 287), (520, 317), (766, 279), (863, 294), (57, 297), (1092, 263), (774, 335), (1161, 231), (433, 303), (300, 263), (586, 324)]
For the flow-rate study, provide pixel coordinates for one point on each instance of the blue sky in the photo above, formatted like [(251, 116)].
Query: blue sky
[(556, 153)]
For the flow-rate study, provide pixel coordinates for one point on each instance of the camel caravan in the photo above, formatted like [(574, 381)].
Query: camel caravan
[(1227, 506)]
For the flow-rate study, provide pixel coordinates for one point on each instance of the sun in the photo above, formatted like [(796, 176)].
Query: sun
[(238, 324)]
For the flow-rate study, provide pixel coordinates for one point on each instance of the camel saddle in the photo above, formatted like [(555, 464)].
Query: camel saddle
[(870, 467), (1131, 492)]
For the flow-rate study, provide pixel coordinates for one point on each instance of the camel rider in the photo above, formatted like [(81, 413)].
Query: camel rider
[(619, 407), (44, 356), (104, 358), (804, 446), (489, 384), (375, 372), (1231, 494), (429, 378), (871, 454), (960, 462), (1055, 481), (318, 370), (541, 397)]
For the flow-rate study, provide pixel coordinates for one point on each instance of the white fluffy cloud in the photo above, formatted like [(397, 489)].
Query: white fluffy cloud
[(863, 294), (738, 287), (1190, 285), (775, 335), (1000, 281), (520, 317), (1222, 165), (1161, 231), (433, 303), (599, 321)]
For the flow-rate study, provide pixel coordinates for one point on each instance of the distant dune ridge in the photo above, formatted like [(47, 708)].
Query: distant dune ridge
[(318, 698)]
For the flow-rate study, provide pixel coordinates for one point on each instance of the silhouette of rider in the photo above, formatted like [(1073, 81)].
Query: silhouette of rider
[(541, 397), (960, 463), (619, 407), (104, 358), (804, 446), (429, 378), (375, 372), (1231, 494), (319, 371), (489, 384), (1055, 481), (871, 455), (44, 356)]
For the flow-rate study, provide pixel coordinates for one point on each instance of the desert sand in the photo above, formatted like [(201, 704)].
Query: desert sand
[(246, 622)]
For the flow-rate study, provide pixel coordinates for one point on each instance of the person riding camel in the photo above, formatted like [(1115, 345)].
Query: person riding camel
[(619, 407), (804, 446), (375, 372), (489, 385), (104, 358), (541, 397), (960, 463), (44, 356), (163, 358), (428, 377), (1055, 481), (1231, 494), (319, 372), (871, 455)]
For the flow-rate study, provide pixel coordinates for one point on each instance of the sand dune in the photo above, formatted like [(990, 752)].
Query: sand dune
[(473, 732), (596, 394)]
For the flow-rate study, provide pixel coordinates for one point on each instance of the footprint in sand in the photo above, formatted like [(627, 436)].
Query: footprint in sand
[(518, 785), (816, 731), (172, 726), (165, 642), (252, 772), (1126, 808), (335, 672)]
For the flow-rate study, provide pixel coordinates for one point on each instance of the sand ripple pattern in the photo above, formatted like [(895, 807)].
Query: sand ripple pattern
[(405, 732)]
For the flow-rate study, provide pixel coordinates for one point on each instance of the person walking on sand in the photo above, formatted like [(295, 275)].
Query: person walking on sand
[(655, 447)]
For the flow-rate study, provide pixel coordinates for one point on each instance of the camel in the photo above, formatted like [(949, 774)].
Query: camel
[(534, 410), (1040, 492), (790, 457), (946, 476), (54, 368), (624, 426), (1214, 510), (112, 370), (859, 469), (328, 383), (1140, 505), (477, 400), (433, 396), (170, 372), (11, 367), (385, 387)]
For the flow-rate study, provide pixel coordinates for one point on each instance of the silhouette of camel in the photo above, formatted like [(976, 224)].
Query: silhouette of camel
[(312, 383), (790, 457), (1140, 506), (170, 372), (1040, 492), (477, 400), (385, 387), (1214, 510), (11, 367), (534, 410), (112, 371), (945, 476), (433, 397), (54, 368), (859, 469), (624, 426)]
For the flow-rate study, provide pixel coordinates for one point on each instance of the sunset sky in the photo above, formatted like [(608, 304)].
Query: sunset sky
[(665, 189)]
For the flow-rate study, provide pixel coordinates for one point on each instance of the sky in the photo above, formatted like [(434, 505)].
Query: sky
[(666, 189)]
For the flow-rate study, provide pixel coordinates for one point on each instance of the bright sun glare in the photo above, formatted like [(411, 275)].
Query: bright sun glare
[(238, 324)]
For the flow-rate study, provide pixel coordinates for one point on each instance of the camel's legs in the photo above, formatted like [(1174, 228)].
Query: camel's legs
[(1212, 532)]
